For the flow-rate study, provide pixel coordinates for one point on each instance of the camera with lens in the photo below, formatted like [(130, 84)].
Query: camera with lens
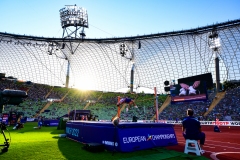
[(3, 126), (13, 97)]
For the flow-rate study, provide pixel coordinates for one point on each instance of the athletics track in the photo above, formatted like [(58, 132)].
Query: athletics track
[(224, 145)]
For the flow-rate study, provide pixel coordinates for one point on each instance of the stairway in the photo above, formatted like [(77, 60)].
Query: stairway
[(164, 105), (216, 100), (43, 109)]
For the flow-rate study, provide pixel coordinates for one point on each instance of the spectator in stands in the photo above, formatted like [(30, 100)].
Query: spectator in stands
[(82, 117), (90, 117), (95, 118), (86, 117), (191, 128)]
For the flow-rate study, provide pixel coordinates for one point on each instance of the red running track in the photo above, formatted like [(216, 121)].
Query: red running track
[(224, 145)]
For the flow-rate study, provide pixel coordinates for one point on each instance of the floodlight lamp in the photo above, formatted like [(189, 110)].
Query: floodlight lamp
[(63, 46), (72, 15), (139, 45), (213, 35), (83, 34), (214, 40), (215, 43), (123, 49), (166, 83)]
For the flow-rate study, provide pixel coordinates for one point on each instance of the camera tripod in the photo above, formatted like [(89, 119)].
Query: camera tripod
[(6, 143)]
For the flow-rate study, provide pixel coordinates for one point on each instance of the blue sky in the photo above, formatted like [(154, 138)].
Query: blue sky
[(116, 18)]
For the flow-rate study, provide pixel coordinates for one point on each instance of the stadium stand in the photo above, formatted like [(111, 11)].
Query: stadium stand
[(103, 105)]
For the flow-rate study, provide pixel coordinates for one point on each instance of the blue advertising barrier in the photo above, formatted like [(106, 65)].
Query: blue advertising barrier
[(50, 122), (126, 137)]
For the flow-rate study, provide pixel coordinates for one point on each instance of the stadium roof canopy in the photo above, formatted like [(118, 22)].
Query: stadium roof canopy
[(99, 62)]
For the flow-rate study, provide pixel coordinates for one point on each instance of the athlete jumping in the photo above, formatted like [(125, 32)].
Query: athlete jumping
[(125, 100)]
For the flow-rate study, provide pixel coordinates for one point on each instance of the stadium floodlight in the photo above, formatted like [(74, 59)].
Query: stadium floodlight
[(123, 49), (63, 46), (52, 48), (72, 15), (214, 40), (215, 44)]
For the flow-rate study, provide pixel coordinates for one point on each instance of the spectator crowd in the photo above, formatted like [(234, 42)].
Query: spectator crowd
[(103, 105)]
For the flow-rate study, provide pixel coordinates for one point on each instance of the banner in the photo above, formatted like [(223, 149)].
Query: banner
[(125, 137), (211, 123), (30, 119), (221, 123)]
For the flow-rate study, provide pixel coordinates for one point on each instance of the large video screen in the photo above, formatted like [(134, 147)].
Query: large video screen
[(191, 88)]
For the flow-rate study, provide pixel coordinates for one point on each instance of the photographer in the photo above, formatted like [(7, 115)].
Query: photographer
[(19, 125)]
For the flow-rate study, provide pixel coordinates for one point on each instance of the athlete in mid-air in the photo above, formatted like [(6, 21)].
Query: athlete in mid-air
[(125, 100)]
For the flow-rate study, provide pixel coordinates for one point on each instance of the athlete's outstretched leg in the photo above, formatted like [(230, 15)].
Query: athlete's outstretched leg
[(119, 111), (119, 103)]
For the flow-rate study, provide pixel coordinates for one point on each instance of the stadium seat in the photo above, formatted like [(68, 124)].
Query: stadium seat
[(193, 147)]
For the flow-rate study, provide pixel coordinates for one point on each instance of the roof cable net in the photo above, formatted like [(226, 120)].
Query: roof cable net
[(99, 62)]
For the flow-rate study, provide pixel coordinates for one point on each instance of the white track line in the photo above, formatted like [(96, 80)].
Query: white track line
[(223, 142), (214, 155)]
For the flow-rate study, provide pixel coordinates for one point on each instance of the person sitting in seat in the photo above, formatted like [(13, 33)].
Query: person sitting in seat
[(191, 128)]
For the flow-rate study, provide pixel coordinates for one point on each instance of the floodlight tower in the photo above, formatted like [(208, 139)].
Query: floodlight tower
[(128, 53), (72, 18), (215, 44), (75, 17)]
